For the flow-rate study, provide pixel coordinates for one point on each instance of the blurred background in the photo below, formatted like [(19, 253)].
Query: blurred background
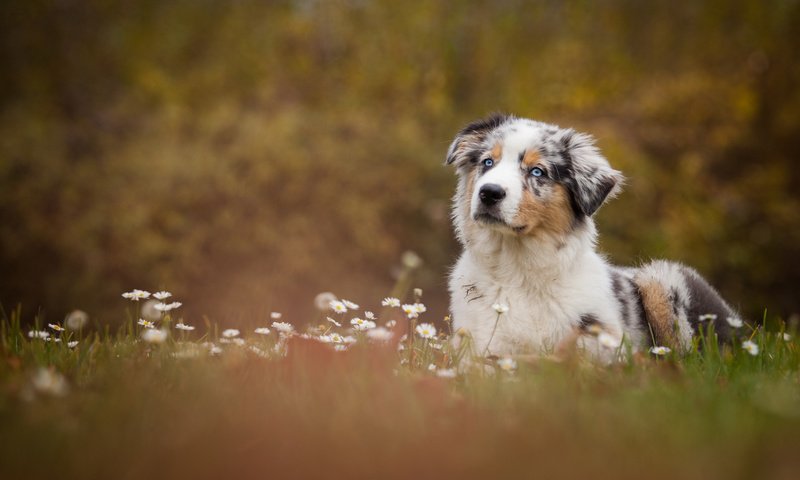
[(247, 155)]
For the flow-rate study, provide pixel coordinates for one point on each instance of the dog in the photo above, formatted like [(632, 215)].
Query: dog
[(529, 275)]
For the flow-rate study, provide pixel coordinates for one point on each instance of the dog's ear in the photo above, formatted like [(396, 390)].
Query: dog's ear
[(588, 176), (471, 138)]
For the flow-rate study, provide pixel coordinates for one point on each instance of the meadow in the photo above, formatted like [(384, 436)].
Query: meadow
[(349, 397)]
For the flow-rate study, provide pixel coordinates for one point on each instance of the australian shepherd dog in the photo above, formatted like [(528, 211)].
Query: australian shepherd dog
[(530, 276)]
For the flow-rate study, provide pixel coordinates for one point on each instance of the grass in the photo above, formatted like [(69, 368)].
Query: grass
[(132, 409)]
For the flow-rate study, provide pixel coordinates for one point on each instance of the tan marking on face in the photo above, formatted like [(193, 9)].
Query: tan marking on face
[(531, 158), (497, 151), (658, 311), (551, 215)]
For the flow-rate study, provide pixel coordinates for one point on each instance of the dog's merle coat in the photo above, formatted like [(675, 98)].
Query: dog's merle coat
[(523, 212)]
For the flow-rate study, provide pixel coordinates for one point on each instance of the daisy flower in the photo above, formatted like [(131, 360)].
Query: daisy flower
[(787, 337), (38, 334), (500, 308), (735, 322), (162, 295), (230, 333), (333, 321), (410, 310), (431, 368), (136, 295), (72, 344), (275, 315), (350, 305), (57, 328), (391, 323), (361, 324), (146, 324), (283, 327), (262, 331), (426, 330), (391, 302), (166, 307), (369, 315), (183, 326), (338, 307), (660, 350), (750, 347), (707, 316), (446, 373), (507, 363), (152, 335)]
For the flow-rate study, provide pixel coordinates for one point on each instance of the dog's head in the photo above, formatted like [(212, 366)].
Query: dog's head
[(522, 177)]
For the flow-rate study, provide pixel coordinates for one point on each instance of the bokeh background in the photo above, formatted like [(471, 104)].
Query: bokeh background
[(248, 154)]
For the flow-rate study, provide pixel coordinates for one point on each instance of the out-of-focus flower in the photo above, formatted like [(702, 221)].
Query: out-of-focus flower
[(446, 373), (262, 330), (340, 347), (349, 339), (431, 368), (136, 295), (146, 324), (49, 382), (707, 316), (380, 334), (750, 347), (166, 307), (57, 328), (417, 293), (333, 321), (76, 319), (500, 308), (660, 350), (350, 305), (338, 306), (149, 310), (411, 260), (162, 295), (608, 341), (261, 353), (369, 316), (426, 330), (275, 315), (507, 363), (183, 326), (283, 327), (72, 344), (322, 301), (43, 334), (735, 322), (390, 302), (786, 337), (391, 323), (152, 335), (230, 333)]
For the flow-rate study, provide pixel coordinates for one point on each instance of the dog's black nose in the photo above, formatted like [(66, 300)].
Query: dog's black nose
[(491, 194)]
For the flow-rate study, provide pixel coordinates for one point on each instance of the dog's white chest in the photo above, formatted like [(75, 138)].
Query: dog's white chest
[(538, 316)]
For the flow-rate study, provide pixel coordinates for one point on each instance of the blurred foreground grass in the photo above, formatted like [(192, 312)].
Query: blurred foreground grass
[(227, 404)]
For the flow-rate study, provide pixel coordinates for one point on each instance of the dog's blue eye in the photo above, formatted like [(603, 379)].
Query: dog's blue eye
[(537, 172), (488, 162)]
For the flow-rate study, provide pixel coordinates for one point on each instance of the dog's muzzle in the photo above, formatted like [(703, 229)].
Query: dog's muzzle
[(491, 194)]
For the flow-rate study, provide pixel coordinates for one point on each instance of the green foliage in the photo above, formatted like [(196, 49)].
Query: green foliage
[(253, 153)]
